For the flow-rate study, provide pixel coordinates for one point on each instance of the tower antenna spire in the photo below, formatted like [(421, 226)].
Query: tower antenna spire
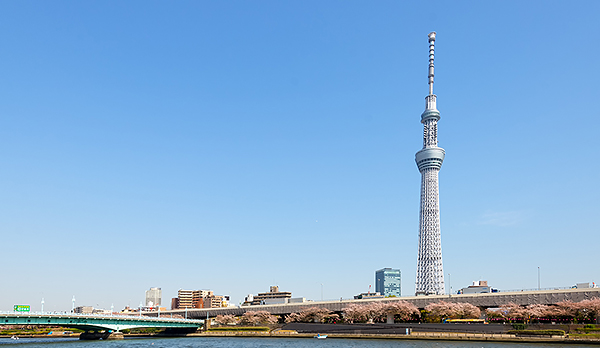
[(431, 57)]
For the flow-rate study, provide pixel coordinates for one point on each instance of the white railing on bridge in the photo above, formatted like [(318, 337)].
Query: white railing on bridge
[(132, 316), (541, 289)]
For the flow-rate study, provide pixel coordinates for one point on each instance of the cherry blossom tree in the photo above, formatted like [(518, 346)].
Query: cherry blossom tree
[(355, 313), (588, 310), (313, 315), (513, 311), (332, 318), (249, 318), (585, 310), (564, 310), (226, 319), (449, 310), (258, 317), (439, 311), (467, 311), (374, 312), (292, 318), (535, 311), (402, 309), (494, 313)]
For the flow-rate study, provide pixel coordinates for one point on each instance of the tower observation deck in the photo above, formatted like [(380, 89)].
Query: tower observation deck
[(430, 272)]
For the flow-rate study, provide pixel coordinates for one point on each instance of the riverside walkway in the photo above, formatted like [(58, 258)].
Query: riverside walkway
[(486, 300), (98, 326)]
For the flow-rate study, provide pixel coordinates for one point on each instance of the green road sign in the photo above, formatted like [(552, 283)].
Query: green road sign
[(22, 308)]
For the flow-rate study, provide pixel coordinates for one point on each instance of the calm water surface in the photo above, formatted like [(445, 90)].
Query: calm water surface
[(223, 342)]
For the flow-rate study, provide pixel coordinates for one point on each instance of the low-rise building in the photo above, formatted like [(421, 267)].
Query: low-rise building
[(478, 287), (196, 299), (174, 303), (366, 295), (213, 302), (84, 310), (101, 311), (274, 296)]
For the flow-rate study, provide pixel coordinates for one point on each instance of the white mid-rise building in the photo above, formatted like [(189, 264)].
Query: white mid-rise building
[(153, 297)]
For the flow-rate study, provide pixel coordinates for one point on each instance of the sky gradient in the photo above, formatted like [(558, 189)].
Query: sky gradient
[(234, 145)]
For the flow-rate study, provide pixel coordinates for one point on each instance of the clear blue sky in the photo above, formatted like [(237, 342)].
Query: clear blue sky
[(234, 145)]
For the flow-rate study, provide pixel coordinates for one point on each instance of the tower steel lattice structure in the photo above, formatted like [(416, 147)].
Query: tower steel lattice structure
[(430, 271)]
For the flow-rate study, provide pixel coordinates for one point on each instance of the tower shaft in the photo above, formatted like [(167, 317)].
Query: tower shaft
[(430, 271)]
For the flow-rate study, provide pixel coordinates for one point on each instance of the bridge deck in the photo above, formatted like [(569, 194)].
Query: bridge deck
[(94, 322)]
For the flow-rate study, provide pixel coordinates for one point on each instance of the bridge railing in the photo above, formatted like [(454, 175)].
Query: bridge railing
[(541, 289), (98, 316)]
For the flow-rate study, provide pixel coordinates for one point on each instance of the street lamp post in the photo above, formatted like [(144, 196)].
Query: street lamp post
[(539, 278), (450, 285), (73, 305), (321, 291)]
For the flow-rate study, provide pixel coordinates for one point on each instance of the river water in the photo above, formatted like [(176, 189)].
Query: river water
[(248, 342)]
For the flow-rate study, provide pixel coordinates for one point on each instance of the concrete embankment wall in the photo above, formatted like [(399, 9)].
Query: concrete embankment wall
[(436, 336)]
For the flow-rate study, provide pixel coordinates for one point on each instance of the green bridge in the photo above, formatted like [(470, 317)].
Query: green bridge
[(100, 327)]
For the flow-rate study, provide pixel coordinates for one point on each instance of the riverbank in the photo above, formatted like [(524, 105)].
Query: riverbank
[(432, 336), (436, 336)]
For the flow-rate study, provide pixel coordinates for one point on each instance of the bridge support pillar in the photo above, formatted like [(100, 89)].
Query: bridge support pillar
[(390, 318), (117, 335)]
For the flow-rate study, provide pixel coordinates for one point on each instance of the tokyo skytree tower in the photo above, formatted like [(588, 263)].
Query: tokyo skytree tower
[(430, 272)]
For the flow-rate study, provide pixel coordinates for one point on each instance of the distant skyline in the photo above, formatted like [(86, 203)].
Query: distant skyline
[(236, 145)]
